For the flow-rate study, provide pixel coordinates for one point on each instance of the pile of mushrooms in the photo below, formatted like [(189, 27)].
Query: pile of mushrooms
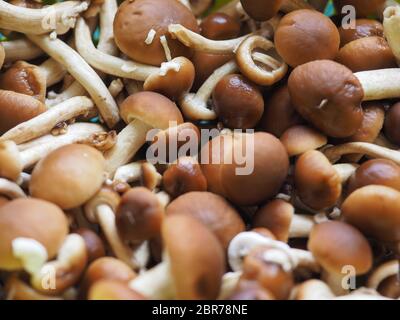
[(89, 208)]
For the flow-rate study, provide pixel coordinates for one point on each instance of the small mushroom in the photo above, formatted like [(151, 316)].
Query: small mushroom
[(336, 244), (220, 26), (94, 244), (261, 10), (392, 131), (364, 28), (384, 279), (212, 210), (112, 290), (193, 266)]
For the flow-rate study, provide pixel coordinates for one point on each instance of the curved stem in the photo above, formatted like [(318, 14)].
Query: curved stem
[(21, 49), (74, 90), (382, 272), (128, 173), (345, 170), (106, 41), (53, 71), (380, 84)]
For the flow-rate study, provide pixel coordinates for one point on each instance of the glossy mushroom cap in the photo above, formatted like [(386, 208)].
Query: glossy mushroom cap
[(391, 127), (175, 81), (139, 215), (151, 108), (184, 176), (68, 176), (306, 35), (261, 10), (256, 177), (374, 210), (317, 183), (390, 287), (16, 108), (370, 53), (112, 290), (213, 211), (135, 19), (94, 244), (363, 8), (238, 103), (364, 28), (220, 26), (377, 171), (25, 78), (335, 244), (30, 218), (276, 216), (197, 260), (279, 112), (328, 95)]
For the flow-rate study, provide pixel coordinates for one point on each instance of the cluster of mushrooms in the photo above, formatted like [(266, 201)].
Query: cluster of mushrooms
[(85, 215)]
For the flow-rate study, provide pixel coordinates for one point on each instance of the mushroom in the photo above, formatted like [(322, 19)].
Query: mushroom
[(391, 24), (384, 279), (193, 265), (257, 178), (362, 8), (391, 130), (112, 290), (230, 94), (46, 121), (128, 173), (219, 26), (300, 139), (261, 10), (336, 244), (184, 176), (149, 178), (212, 210), (59, 17), (141, 111), (280, 218), (364, 28), (306, 35), (25, 244), (94, 244), (20, 49), (80, 178), (135, 21)]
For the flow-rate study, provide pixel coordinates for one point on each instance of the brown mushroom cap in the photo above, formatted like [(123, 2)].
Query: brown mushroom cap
[(377, 171), (151, 108), (68, 176), (328, 95), (139, 215), (184, 176), (391, 125), (3, 200), (196, 257), (364, 28), (279, 112), (306, 35), (374, 210), (30, 218), (270, 168), (363, 8), (94, 244), (317, 182), (238, 103), (25, 78), (174, 83), (261, 10), (390, 287), (134, 20), (16, 108), (219, 26), (213, 211), (112, 290), (276, 216), (368, 53), (299, 139), (335, 244)]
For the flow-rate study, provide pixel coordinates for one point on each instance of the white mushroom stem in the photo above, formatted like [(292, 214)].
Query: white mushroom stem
[(23, 180), (21, 49), (53, 71), (105, 62), (83, 73), (380, 84), (31, 253), (229, 282), (74, 90), (194, 106), (383, 272), (372, 150), (312, 290), (164, 198), (345, 170), (10, 189), (59, 17), (335, 282), (301, 226), (45, 122), (116, 86), (391, 25), (128, 173), (106, 40), (129, 141)]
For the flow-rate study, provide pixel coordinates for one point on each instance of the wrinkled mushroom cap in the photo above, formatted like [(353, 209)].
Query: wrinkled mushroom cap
[(219, 26), (212, 210), (328, 95), (16, 108), (317, 182), (362, 8), (335, 244), (139, 215), (261, 10), (68, 176), (151, 108), (364, 28), (30, 218), (196, 257), (306, 35), (112, 290), (134, 20), (374, 210)]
